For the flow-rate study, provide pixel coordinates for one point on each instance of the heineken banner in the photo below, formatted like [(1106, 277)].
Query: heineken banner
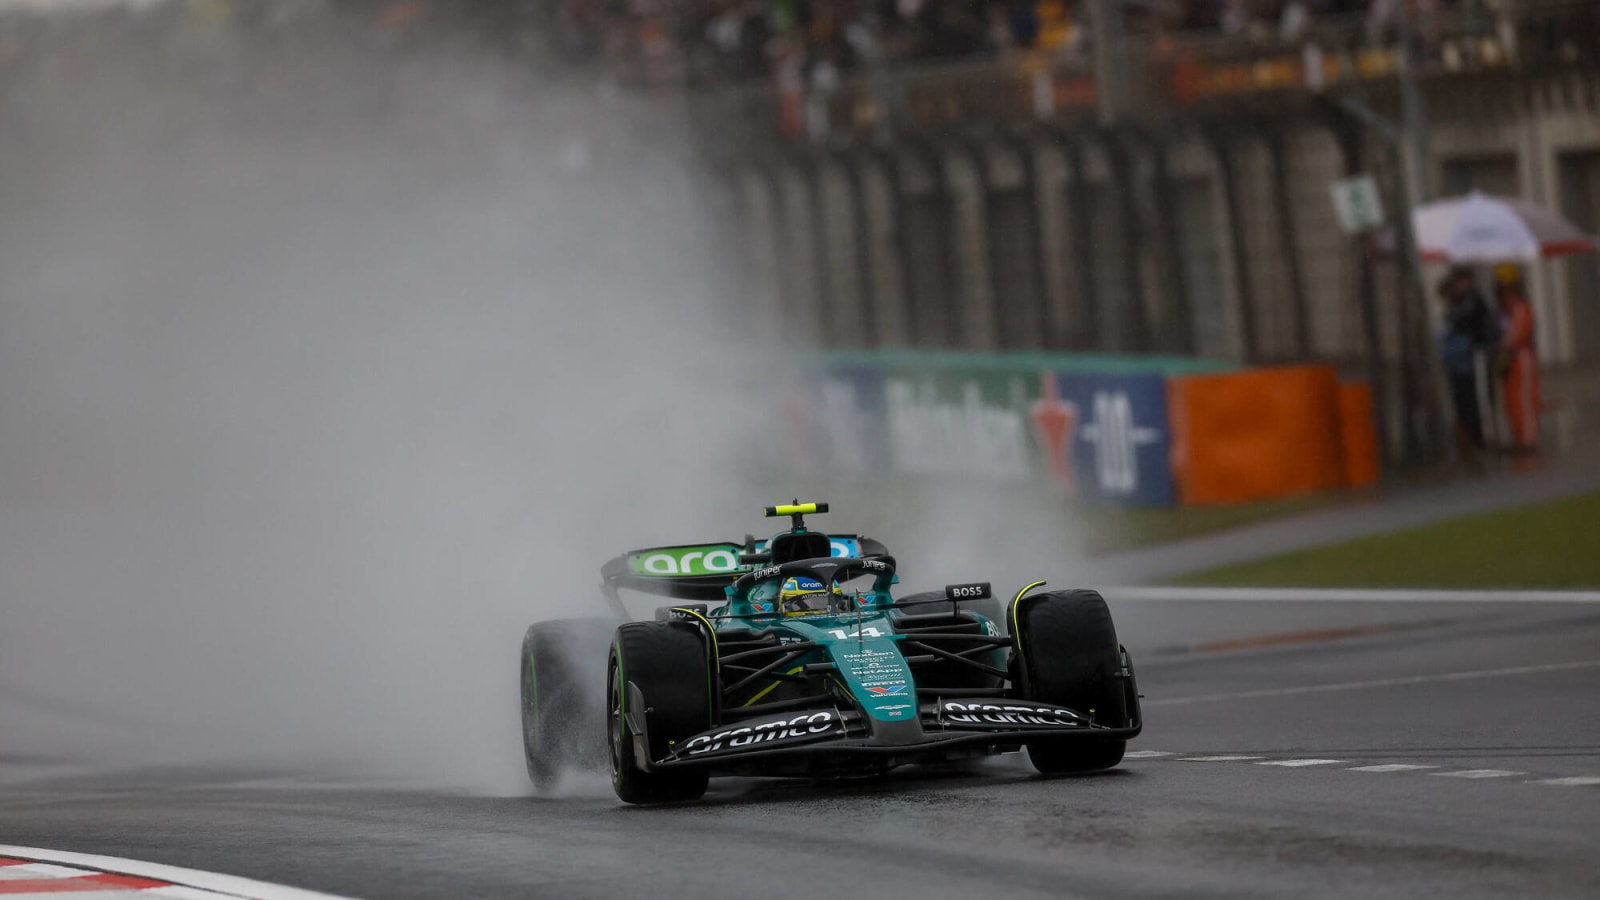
[(967, 423), (1118, 443), (961, 423), (1099, 432)]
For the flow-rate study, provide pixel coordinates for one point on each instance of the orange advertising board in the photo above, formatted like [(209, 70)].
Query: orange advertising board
[(1260, 434), (1362, 465)]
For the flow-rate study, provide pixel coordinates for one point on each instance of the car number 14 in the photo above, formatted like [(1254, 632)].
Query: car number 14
[(866, 631)]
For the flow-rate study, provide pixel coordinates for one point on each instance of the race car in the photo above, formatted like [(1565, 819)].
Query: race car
[(807, 665)]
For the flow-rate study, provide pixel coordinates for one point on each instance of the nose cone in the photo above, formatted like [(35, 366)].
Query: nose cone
[(876, 673)]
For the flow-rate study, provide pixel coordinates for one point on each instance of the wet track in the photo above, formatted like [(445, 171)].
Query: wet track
[(311, 395), (1290, 750)]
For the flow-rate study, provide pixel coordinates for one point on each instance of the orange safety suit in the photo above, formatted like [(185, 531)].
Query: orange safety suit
[(1519, 368)]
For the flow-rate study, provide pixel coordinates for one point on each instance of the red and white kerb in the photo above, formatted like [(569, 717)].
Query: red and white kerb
[(21, 878)]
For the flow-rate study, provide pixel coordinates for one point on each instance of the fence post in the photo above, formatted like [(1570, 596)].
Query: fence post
[(1222, 149), (946, 316), (889, 163), (1352, 153), (1132, 325), (815, 167), (772, 174), (855, 166), (1080, 218), (1288, 240), (1044, 335), (1180, 338)]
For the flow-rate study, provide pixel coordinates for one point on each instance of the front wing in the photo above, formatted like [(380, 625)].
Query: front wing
[(834, 738)]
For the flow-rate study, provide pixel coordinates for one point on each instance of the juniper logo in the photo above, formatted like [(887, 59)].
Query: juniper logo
[(710, 559)]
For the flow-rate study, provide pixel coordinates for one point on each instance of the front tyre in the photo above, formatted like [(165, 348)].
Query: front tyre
[(563, 694), (667, 662), (1066, 653)]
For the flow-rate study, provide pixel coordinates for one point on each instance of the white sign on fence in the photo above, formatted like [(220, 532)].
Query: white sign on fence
[(1357, 202)]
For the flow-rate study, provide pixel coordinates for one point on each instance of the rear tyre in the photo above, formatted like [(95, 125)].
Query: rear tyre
[(563, 698), (1067, 654), (667, 662)]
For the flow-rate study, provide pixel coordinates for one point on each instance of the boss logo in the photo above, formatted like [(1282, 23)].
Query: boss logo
[(975, 591)]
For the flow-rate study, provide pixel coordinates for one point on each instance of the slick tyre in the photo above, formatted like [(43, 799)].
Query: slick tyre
[(667, 662), (563, 698), (1066, 653)]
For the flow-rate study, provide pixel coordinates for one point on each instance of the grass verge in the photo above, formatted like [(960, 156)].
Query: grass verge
[(1546, 545)]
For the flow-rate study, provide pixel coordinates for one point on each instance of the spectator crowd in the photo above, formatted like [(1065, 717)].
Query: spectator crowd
[(660, 44), (701, 42)]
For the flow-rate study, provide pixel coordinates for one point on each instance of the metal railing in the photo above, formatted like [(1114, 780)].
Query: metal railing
[(1166, 73)]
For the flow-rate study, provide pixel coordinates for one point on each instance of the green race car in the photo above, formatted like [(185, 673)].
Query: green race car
[(791, 657)]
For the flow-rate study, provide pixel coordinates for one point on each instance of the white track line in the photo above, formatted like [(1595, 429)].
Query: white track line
[(1389, 767), (47, 870), (1345, 595), (226, 884), (1377, 683), (1381, 768)]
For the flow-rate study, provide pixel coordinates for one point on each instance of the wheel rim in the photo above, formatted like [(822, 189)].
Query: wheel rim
[(614, 708), (530, 707)]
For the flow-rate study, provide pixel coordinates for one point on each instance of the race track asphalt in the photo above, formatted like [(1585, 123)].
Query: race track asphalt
[(1484, 719)]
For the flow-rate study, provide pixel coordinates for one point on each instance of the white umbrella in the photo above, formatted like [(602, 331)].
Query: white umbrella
[(1480, 228)]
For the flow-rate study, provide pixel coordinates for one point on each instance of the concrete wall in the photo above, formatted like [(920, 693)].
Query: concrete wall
[(1279, 277)]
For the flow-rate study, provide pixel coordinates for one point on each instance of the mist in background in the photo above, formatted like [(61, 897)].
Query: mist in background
[(325, 374), (310, 405)]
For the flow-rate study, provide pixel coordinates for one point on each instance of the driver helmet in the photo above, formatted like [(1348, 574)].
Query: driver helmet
[(801, 596), (1508, 275)]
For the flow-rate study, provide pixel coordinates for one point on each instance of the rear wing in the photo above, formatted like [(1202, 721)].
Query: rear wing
[(701, 572)]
